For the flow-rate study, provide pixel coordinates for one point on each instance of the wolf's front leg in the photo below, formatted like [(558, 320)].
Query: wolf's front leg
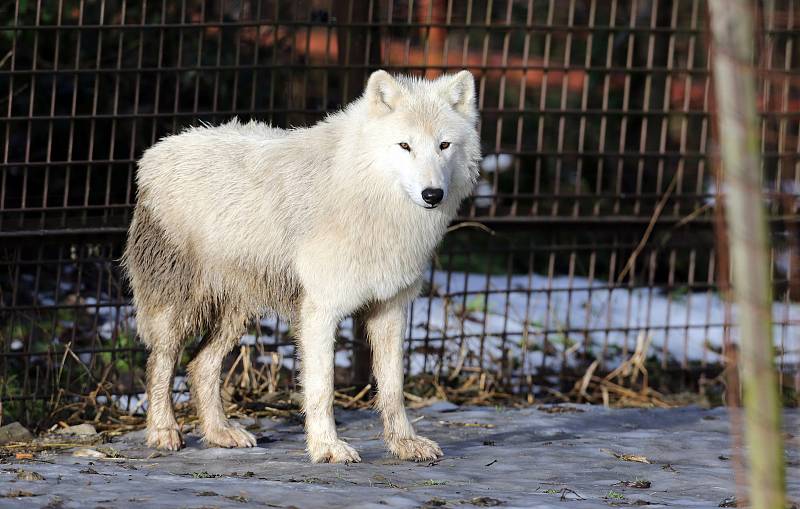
[(317, 334), (386, 330)]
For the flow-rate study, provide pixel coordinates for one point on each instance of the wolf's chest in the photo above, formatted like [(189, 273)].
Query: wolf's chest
[(393, 260), (352, 266)]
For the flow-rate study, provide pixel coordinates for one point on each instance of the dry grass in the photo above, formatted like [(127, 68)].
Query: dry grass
[(264, 391), (626, 386)]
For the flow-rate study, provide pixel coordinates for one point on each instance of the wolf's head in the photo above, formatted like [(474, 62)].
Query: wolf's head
[(423, 134)]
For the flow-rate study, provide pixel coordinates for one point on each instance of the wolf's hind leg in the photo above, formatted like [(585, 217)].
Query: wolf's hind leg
[(165, 344), (385, 329), (204, 378)]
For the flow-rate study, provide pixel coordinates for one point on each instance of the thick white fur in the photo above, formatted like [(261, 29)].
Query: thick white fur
[(335, 210)]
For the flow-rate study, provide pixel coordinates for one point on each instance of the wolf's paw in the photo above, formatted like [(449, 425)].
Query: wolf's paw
[(414, 448), (338, 451), (231, 435), (164, 438)]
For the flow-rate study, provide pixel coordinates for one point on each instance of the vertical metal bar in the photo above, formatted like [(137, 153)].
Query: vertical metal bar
[(587, 319), (199, 62), (537, 178), (427, 337), (237, 59), (218, 60), (306, 72), (256, 47), (688, 83), (115, 109), (176, 104), (407, 39), (648, 86), (626, 96), (9, 108), (665, 101), (31, 109), (500, 107), (689, 297), (445, 298), (527, 327), (549, 309), (567, 325), (576, 208), (603, 133), (522, 99), (73, 111), (130, 166), (95, 98), (554, 208), (159, 73), (326, 74), (611, 283), (49, 156)]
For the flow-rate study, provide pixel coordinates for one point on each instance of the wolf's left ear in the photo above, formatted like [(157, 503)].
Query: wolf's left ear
[(383, 92), (459, 91)]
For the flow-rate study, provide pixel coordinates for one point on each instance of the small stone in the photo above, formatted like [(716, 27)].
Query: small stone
[(14, 432), (18, 494), (84, 429), (442, 406), (85, 452), (26, 475), (485, 502)]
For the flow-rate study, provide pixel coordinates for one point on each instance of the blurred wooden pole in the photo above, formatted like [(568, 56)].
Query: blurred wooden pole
[(734, 83)]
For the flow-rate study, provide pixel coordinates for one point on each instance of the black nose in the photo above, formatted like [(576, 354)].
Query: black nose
[(432, 196)]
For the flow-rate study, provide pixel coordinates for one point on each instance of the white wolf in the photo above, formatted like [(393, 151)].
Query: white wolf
[(314, 224)]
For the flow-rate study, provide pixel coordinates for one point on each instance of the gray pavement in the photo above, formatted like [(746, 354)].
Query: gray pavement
[(494, 457)]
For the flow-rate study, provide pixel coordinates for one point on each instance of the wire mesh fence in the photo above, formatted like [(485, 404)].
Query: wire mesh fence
[(590, 236)]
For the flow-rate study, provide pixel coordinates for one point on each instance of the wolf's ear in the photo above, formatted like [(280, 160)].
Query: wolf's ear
[(383, 92), (459, 91)]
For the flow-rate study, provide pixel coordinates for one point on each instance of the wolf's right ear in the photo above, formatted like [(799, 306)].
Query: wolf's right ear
[(383, 92), (459, 90)]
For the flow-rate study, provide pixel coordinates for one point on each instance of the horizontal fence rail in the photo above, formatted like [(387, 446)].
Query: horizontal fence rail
[(593, 224)]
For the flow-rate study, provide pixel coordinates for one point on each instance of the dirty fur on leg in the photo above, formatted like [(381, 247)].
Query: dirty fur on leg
[(204, 383), (163, 431)]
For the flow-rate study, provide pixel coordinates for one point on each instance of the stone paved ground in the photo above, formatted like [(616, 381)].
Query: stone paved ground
[(513, 458)]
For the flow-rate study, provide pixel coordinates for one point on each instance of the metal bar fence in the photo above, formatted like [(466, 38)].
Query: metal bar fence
[(598, 185)]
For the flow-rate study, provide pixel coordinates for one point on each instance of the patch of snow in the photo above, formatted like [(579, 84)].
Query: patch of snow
[(572, 313), (483, 193), (46, 300), (342, 358), (499, 163)]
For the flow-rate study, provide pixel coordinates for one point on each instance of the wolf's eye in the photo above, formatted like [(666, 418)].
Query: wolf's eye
[(444, 145), (405, 146)]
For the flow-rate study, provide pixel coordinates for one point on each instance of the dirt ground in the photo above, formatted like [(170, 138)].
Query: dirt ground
[(560, 457)]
